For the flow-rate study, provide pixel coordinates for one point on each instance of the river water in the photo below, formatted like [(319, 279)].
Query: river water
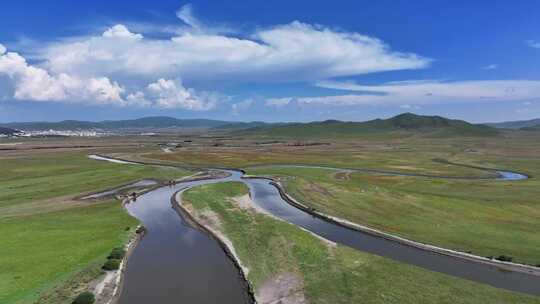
[(174, 262)]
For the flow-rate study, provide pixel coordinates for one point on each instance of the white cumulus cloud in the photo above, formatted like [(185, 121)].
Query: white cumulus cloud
[(172, 94), (122, 67), (34, 83), (291, 52), (120, 31)]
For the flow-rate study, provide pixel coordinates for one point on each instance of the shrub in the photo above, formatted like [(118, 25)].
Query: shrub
[(117, 253), (505, 258), (111, 264), (141, 230), (85, 298)]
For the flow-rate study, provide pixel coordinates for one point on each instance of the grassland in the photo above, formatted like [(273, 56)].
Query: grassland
[(38, 186), (322, 272), (52, 244), (488, 218), (470, 216), (39, 251), (412, 155), (39, 177)]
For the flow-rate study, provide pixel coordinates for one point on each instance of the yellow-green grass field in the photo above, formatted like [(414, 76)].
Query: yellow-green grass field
[(487, 218), (326, 273), (410, 155)]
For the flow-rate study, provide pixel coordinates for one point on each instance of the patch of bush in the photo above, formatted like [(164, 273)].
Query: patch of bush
[(504, 258), (117, 253), (85, 298), (140, 230), (538, 265), (111, 264)]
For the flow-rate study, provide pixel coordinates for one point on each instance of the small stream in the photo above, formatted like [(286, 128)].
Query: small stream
[(175, 261)]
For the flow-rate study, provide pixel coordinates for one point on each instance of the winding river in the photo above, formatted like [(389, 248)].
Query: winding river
[(176, 261)]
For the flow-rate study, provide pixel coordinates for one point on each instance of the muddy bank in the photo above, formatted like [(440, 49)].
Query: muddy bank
[(107, 291)]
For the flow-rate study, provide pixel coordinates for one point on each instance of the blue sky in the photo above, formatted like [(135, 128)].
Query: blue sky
[(269, 60)]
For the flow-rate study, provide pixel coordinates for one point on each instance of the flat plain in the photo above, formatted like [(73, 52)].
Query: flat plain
[(67, 240)]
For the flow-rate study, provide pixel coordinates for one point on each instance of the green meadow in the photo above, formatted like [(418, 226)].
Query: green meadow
[(323, 272), (52, 244)]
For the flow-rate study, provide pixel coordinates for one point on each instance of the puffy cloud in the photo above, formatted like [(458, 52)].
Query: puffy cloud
[(120, 31), (37, 84), (427, 92), (33, 83), (138, 99), (103, 90), (90, 69), (170, 94), (290, 52)]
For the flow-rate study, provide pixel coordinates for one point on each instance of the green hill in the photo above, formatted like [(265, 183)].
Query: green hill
[(403, 124)]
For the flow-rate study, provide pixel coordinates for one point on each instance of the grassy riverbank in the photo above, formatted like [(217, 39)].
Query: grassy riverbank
[(319, 271), (53, 244)]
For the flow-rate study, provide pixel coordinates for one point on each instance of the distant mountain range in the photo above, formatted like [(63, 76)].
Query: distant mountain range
[(407, 122), (158, 122), (404, 123), (519, 124)]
